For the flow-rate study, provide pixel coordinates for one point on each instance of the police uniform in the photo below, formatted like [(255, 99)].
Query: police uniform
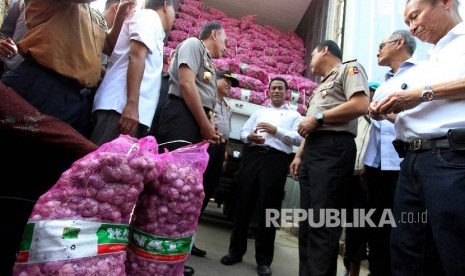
[(326, 168), (176, 121), (216, 152)]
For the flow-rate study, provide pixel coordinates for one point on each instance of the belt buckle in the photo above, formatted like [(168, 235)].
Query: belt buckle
[(417, 145)]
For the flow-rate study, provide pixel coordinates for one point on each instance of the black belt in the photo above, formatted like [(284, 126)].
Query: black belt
[(265, 149), (420, 145), (210, 113)]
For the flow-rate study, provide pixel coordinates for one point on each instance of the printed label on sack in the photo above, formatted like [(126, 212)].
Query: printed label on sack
[(245, 95), (159, 249), (243, 66), (57, 240)]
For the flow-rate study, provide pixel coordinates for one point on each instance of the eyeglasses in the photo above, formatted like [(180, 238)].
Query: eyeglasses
[(381, 45)]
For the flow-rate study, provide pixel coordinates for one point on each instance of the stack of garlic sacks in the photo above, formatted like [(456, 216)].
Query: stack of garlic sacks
[(256, 53)]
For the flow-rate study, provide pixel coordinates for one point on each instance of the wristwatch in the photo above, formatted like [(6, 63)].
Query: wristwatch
[(427, 95), (320, 118)]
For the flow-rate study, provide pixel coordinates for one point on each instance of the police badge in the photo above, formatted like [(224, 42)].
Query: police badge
[(207, 77)]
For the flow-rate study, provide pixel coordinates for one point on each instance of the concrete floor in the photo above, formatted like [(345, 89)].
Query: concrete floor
[(213, 236)]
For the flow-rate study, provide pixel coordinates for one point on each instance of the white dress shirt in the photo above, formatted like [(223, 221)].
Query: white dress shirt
[(433, 119), (286, 121), (380, 152), (144, 26)]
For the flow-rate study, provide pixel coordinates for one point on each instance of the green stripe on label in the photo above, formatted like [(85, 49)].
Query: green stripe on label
[(27, 237), (112, 233), (160, 245)]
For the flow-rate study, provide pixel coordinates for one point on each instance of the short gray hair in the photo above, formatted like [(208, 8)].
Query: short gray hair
[(409, 40)]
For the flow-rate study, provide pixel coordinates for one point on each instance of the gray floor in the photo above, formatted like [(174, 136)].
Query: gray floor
[(213, 236)]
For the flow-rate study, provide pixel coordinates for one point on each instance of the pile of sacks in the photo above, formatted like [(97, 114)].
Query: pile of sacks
[(255, 53)]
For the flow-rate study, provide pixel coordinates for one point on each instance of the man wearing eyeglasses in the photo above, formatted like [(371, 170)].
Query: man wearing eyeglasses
[(381, 159), (431, 133)]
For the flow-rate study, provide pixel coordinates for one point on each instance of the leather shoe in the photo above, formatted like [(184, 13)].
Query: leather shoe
[(230, 260), (198, 252), (263, 270), (188, 271)]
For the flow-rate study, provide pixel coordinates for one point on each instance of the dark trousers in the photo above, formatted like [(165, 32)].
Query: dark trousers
[(39, 164), (325, 172), (381, 189), (355, 237), (212, 174), (429, 209), (177, 127), (261, 185)]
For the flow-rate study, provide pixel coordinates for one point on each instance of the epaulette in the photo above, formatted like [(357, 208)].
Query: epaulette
[(347, 61)]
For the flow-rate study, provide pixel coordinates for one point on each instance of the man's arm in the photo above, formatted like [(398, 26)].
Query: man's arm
[(191, 96), (125, 8), (399, 101), (130, 117), (295, 165), (355, 107)]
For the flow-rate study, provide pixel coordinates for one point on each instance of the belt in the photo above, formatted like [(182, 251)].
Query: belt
[(210, 113), (420, 145), (265, 149)]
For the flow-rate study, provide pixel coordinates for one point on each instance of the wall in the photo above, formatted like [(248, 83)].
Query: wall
[(367, 23)]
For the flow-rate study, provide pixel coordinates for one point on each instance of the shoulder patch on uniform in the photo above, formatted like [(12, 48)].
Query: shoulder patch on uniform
[(349, 61), (352, 70)]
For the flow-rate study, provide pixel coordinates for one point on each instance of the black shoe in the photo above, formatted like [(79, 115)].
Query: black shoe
[(263, 270), (198, 252), (230, 260), (188, 271)]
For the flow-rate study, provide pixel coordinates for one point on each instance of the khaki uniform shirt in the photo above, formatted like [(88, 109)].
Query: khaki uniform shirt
[(192, 53), (65, 37), (223, 119), (342, 82)]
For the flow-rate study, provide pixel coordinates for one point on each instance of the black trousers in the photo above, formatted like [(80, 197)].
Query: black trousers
[(39, 164), (177, 127), (261, 185), (212, 174), (325, 173), (355, 237), (381, 189)]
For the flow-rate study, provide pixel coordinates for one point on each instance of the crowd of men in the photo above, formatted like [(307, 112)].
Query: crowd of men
[(94, 78)]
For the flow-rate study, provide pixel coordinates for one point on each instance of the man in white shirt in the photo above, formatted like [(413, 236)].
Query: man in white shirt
[(270, 133), (127, 98), (429, 206), (381, 159)]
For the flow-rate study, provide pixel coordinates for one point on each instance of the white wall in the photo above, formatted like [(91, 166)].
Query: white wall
[(367, 23)]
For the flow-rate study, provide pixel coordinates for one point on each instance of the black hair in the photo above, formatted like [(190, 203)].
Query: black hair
[(156, 4), (278, 79), (207, 29), (333, 48)]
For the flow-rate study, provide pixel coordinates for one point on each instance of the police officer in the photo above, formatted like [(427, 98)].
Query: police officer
[(187, 115), (324, 163)]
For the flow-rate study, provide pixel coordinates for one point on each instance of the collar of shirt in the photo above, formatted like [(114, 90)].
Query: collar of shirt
[(285, 106), (459, 29), (406, 64), (334, 71)]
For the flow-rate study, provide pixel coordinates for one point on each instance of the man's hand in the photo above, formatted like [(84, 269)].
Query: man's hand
[(255, 138), (209, 133), (266, 127), (7, 48), (398, 101), (308, 125), (294, 167)]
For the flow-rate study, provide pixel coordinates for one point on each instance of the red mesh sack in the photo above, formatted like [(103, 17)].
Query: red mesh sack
[(166, 216), (80, 226)]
